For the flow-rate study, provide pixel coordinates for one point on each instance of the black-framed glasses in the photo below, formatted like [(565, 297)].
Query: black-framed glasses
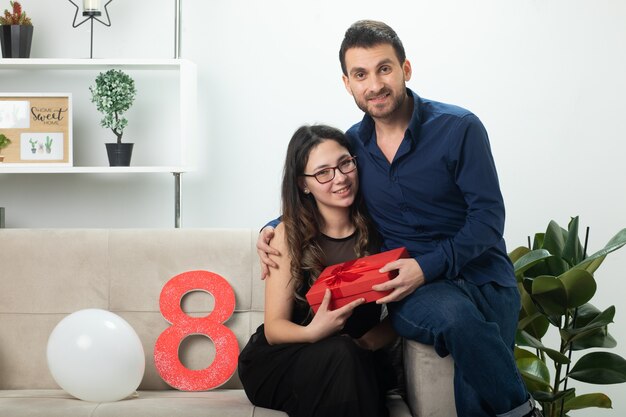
[(328, 174)]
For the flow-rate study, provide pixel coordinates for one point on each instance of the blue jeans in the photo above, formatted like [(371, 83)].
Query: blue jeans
[(476, 325)]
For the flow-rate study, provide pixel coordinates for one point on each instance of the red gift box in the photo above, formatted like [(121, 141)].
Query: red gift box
[(349, 281)]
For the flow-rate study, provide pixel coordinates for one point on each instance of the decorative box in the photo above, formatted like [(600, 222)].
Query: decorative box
[(349, 281)]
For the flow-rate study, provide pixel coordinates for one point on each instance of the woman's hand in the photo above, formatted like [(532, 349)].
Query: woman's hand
[(328, 322)]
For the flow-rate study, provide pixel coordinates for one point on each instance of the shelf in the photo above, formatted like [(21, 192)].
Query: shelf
[(88, 170), (187, 82), (90, 64)]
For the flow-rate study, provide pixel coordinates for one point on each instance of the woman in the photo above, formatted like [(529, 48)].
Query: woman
[(323, 364)]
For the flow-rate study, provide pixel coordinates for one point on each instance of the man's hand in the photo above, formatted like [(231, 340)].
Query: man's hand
[(264, 249), (410, 277)]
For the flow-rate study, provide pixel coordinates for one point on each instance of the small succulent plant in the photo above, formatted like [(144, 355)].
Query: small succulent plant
[(17, 17), (4, 141)]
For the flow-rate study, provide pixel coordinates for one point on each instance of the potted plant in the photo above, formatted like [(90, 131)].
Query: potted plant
[(556, 282), (4, 142), (16, 32), (113, 94)]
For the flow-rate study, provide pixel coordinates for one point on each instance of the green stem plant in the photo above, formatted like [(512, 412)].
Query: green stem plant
[(556, 283)]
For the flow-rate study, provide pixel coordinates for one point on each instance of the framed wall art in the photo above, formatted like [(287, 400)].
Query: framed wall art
[(39, 126)]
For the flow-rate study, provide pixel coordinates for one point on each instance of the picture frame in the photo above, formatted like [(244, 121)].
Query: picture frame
[(39, 126)]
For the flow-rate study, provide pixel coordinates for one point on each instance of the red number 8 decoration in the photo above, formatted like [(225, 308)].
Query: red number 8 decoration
[(166, 356)]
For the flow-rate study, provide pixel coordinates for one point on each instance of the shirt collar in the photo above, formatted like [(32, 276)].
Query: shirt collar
[(366, 129)]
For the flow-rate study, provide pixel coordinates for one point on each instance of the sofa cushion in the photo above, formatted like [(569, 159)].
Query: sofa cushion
[(218, 403), (56, 403)]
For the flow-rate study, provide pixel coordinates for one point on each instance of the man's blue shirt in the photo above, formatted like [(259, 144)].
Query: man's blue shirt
[(440, 196)]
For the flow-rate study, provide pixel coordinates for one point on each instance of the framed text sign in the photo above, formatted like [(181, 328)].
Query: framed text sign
[(39, 126)]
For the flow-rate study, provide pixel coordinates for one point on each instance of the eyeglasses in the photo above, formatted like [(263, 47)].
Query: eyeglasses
[(328, 174)]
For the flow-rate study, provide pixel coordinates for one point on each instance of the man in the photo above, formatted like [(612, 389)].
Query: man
[(430, 184)]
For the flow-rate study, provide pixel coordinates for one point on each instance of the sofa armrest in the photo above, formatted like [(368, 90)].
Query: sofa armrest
[(429, 381)]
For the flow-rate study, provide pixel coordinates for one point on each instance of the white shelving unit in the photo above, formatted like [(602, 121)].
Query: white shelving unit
[(187, 76), (89, 170)]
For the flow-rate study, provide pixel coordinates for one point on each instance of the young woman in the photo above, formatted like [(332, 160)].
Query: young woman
[(321, 364)]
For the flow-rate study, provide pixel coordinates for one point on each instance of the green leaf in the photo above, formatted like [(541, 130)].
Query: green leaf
[(528, 320), (592, 265), (533, 370), (550, 294), (531, 320), (554, 242), (540, 268), (615, 243), (573, 250), (600, 338), (549, 397), (534, 373), (538, 240), (580, 287), (585, 314), (530, 259), (522, 338), (598, 400), (602, 319), (599, 322), (518, 253), (599, 368), (520, 353)]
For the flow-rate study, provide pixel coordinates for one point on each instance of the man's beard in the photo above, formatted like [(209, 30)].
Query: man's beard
[(372, 111)]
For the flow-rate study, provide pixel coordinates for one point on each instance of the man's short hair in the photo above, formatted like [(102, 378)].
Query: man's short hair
[(367, 34)]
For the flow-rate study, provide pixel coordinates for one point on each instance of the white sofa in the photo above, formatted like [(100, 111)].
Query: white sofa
[(46, 274)]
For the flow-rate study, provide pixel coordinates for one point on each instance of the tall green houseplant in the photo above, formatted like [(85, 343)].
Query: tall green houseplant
[(556, 282)]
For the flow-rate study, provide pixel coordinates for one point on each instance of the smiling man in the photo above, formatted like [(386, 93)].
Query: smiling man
[(430, 184)]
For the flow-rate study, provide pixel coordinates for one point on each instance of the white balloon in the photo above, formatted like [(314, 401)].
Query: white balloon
[(96, 355)]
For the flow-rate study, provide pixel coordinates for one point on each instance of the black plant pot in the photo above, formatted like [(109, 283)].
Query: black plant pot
[(119, 154), (16, 40)]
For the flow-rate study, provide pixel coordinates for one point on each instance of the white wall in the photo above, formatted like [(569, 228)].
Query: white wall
[(545, 76)]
